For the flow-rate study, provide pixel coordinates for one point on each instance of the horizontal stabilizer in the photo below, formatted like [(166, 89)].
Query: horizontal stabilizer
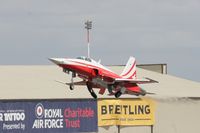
[(149, 93), (137, 81), (74, 83)]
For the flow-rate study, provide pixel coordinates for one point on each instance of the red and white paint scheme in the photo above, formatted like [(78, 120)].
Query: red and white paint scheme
[(95, 75)]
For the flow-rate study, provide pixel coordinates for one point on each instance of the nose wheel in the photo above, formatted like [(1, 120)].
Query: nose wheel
[(71, 87)]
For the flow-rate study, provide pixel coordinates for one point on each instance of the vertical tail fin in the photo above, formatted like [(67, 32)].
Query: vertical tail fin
[(129, 71)]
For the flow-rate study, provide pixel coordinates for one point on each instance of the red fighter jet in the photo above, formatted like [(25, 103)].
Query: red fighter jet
[(95, 75)]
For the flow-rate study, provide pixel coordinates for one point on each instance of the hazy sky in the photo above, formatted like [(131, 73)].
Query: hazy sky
[(153, 31)]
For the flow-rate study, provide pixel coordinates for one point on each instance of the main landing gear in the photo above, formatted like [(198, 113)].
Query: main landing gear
[(89, 86), (118, 94)]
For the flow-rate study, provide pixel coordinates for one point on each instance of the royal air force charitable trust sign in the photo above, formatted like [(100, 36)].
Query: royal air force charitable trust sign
[(48, 116), (126, 112)]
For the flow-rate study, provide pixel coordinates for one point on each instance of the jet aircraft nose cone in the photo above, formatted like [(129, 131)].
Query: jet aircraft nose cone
[(57, 60)]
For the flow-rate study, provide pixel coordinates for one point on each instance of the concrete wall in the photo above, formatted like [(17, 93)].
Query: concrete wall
[(160, 68), (177, 116)]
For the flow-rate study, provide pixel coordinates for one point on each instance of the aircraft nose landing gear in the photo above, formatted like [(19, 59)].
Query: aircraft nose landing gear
[(71, 87), (89, 86)]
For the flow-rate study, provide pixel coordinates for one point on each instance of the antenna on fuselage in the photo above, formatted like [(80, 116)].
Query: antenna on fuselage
[(88, 26)]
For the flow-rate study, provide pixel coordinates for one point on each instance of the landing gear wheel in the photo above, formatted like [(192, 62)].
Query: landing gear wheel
[(71, 87), (143, 94), (118, 94)]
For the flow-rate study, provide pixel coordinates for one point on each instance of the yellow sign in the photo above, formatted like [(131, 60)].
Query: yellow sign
[(126, 112)]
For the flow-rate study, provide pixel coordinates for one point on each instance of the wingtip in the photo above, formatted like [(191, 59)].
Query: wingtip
[(152, 80), (150, 93)]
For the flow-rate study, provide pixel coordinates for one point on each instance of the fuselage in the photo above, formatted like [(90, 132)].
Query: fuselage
[(85, 67)]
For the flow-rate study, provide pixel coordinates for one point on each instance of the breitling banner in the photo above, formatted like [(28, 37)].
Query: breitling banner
[(126, 112)]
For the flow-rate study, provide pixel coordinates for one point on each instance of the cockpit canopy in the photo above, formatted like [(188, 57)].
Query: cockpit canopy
[(84, 58)]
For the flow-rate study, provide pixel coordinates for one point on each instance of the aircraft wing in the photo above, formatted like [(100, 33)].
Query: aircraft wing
[(137, 81), (79, 83), (75, 83)]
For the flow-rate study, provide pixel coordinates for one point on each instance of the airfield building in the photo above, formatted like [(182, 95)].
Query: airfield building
[(177, 100)]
